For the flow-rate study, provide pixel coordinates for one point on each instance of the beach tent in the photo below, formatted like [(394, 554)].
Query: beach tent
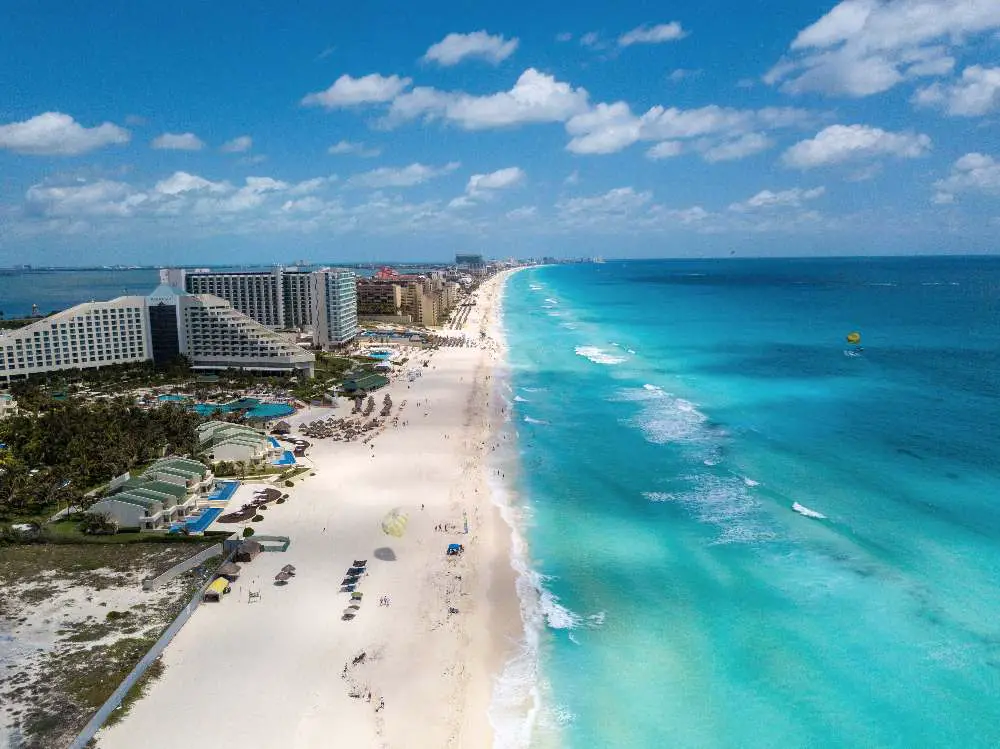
[(455, 549), (282, 427), (216, 589), (229, 571), (247, 551)]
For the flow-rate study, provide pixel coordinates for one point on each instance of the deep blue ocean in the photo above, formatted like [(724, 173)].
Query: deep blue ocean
[(668, 416)]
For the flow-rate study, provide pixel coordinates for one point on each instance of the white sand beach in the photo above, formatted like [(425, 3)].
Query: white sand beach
[(278, 672)]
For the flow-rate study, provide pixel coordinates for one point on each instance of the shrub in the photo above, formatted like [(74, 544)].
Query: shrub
[(257, 518), (247, 532), (289, 483)]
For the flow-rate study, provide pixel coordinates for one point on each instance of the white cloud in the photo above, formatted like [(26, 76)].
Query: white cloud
[(974, 172), (347, 91), (498, 180), (311, 185), (346, 147), (573, 178), (665, 150), (864, 47), (839, 143), (92, 199), (609, 128), (738, 148), (664, 32), (237, 145), (765, 199), (522, 213), (621, 200), (675, 76), (592, 40), (58, 134), (407, 176), (178, 142), (976, 93), (182, 182), (457, 47), (535, 97), (564, 37)]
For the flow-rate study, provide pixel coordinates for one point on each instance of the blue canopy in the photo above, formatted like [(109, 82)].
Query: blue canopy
[(454, 547)]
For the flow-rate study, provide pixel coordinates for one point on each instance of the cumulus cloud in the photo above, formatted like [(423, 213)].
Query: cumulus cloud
[(606, 128), (178, 142), (479, 45), (237, 145), (766, 199), (738, 148), (864, 47), (346, 147), (609, 128), (975, 93), (664, 32), (974, 172), (58, 134), (407, 176), (103, 198), (182, 182), (620, 200), (535, 97), (665, 150), (842, 143), (501, 179), (347, 91)]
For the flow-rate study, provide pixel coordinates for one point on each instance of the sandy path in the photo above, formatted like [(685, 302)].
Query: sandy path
[(272, 673)]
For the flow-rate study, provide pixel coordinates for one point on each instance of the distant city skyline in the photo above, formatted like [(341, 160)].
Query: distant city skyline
[(405, 133)]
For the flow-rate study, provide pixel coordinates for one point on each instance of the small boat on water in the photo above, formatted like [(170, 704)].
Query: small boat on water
[(803, 510)]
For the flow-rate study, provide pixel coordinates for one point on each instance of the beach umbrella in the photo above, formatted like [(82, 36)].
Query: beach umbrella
[(282, 577), (394, 523), (288, 568)]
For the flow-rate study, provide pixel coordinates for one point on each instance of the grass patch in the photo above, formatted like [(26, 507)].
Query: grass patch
[(138, 691)]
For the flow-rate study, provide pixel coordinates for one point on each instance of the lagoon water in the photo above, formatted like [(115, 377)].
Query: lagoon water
[(669, 415)]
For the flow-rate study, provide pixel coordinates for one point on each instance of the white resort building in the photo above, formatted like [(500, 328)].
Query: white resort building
[(167, 492), (132, 329), (235, 443)]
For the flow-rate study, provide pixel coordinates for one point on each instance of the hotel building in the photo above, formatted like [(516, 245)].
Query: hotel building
[(323, 301), (158, 328)]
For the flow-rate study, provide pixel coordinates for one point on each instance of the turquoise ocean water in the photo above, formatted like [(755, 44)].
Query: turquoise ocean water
[(667, 417)]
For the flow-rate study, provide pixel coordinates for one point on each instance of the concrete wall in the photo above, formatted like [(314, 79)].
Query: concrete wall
[(190, 563)]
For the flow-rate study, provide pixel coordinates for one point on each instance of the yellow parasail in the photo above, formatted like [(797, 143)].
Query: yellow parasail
[(854, 338), (394, 523)]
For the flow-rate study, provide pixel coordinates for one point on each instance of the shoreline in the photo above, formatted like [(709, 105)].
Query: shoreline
[(280, 671)]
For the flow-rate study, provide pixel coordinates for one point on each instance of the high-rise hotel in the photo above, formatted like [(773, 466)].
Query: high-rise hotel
[(131, 329), (323, 301)]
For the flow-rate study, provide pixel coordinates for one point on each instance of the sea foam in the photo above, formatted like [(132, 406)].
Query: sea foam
[(598, 355)]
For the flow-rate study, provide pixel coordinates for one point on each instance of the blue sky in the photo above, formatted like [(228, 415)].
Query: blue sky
[(248, 132)]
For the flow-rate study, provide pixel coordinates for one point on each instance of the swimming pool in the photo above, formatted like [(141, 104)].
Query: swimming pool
[(274, 442), (223, 491), (382, 355), (255, 409), (200, 523), (172, 398), (287, 459)]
